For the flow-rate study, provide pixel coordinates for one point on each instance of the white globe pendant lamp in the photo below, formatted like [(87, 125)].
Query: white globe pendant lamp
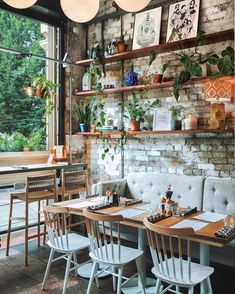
[(20, 4), (132, 5), (80, 10)]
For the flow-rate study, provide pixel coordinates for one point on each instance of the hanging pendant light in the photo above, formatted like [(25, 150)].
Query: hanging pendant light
[(132, 5), (80, 10), (20, 4)]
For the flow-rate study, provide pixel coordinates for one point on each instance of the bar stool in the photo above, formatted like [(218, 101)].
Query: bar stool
[(37, 189), (73, 183)]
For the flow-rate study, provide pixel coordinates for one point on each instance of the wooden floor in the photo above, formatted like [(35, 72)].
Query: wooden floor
[(16, 278)]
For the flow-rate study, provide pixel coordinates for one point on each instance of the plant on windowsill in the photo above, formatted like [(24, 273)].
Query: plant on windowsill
[(137, 110)]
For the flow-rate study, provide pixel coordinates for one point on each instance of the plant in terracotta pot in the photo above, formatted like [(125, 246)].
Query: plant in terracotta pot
[(44, 88), (83, 114), (121, 46), (157, 75), (176, 121), (136, 111)]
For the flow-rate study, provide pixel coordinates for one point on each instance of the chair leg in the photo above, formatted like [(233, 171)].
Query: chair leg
[(140, 272), (119, 283), (26, 232), (67, 273), (208, 281), (191, 290), (177, 288), (75, 263), (39, 206), (93, 272), (48, 267), (45, 228), (158, 286), (114, 280), (9, 226)]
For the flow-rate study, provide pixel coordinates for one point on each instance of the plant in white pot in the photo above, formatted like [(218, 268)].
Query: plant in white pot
[(191, 121)]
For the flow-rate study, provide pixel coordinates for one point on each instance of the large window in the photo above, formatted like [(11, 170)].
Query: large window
[(26, 122)]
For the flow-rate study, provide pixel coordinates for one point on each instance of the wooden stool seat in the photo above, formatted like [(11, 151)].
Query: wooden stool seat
[(37, 189), (34, 196)]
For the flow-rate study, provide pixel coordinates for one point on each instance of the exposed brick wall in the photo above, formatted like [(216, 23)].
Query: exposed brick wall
[(201, 154)]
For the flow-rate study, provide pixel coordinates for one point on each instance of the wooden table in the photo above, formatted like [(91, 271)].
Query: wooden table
[(4, 170), (205, 236)]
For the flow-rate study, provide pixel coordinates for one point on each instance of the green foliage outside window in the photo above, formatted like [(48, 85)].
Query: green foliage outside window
[(22, 118)]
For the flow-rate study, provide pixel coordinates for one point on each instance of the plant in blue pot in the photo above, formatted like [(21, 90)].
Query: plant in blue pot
[(176, 122), (131, 78), (83, 114)]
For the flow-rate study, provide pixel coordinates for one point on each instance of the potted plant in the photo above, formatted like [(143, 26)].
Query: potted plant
[(83, 114), (136, 111), (158, 75), (176, 111), (44, 88), (191, 121), (121, 46)]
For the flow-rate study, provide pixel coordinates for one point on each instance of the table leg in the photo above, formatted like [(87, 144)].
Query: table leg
[(134, 286), (204, 260)]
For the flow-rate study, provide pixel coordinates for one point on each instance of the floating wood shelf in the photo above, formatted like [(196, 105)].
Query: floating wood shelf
[(197, 131), (140, 87), (162, 48)]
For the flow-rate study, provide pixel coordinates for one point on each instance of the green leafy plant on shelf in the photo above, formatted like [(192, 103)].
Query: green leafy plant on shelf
[(192, 62), (136, 109), (97, 101), (83, 113)]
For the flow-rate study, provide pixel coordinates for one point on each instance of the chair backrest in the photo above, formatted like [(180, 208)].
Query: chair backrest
[(75, 180), (56, 223), (164, 261), (104, 247), (41, 186)]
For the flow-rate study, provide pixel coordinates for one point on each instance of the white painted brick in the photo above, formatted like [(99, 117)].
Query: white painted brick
[(142, 158), (206, 166), (154, 153)]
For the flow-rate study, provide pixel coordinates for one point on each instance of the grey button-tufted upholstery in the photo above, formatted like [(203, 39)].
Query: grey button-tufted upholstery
[(219, 195), (187, 190)]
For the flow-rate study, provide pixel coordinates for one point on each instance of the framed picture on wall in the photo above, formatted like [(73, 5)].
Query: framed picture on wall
[(147, 28), (183, 20), (162, 119)]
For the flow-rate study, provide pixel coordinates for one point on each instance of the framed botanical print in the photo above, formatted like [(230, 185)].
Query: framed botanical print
[(147, 28), (162, 119), (183, 20)]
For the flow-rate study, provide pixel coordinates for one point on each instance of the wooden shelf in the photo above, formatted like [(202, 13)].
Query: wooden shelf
[(197, 131), (162, 48), (140, 87)]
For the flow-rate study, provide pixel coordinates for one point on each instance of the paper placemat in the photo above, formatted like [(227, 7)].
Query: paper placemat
[(145, 207), (80, 205), (210, 216), (196, 225), (129, 213)]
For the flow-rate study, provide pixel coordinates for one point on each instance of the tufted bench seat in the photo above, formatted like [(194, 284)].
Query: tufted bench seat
[(219, 196), (210, 194)]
